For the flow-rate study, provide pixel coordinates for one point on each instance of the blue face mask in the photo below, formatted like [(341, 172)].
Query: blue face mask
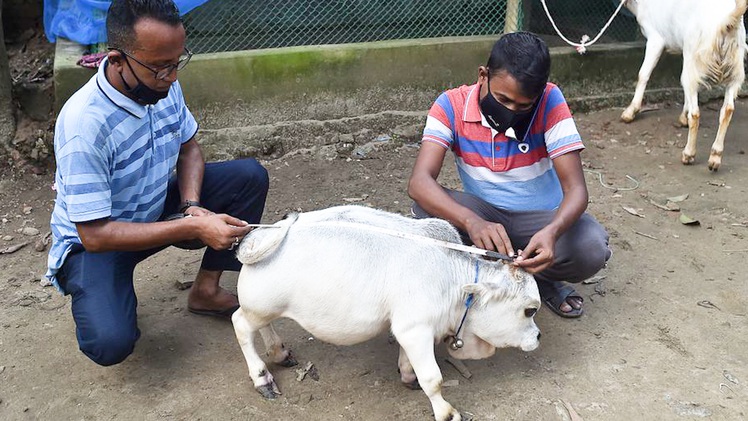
[(141, 92), (500, 117)]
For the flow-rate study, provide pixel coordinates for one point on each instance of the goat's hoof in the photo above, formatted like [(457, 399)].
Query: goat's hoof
[(268, 391), (714, 166), (687, 159), (715, 160), (628, 116)]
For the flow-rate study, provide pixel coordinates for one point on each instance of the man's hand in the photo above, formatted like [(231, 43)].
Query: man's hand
[(197, 211), (538, 255), (489, 236), (221, 231)]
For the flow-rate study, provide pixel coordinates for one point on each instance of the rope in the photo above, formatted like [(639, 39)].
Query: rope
[(456, 340), (585, 41), (611, 187)]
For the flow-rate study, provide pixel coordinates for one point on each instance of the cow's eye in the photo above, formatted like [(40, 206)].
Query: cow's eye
[(529, 312)]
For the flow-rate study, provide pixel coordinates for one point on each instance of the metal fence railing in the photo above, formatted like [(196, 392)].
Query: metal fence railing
[(232, 25)]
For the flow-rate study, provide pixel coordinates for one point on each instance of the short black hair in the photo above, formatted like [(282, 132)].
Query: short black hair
[(524, 56), (124, 14)]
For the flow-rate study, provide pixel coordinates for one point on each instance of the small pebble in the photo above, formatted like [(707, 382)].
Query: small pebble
[(30, 231)]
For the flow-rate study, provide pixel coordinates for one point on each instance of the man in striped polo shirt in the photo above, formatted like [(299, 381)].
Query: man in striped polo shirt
[(127, 156), (517, 153)]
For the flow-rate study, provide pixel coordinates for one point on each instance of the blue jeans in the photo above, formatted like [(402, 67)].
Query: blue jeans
[(101, 284)]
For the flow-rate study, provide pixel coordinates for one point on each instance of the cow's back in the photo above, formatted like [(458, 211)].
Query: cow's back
[(324, 275)]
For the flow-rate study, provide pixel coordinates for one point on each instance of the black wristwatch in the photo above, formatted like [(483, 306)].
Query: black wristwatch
[(188, 203)]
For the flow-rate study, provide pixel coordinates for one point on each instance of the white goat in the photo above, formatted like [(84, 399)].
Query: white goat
[(711, 35)]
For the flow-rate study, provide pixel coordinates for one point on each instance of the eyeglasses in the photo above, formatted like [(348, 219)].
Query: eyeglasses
[(161, 73)]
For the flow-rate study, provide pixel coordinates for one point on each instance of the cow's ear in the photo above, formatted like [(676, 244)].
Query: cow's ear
[(475, 289), (483, 289)]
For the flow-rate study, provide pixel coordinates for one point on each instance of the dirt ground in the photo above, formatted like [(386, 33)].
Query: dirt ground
[(665, 334)]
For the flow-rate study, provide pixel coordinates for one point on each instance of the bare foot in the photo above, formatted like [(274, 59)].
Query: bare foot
[(206, 294), (217, 300), (571, 303)]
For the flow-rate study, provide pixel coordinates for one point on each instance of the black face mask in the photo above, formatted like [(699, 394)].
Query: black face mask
[(142, 93), (500, 117)]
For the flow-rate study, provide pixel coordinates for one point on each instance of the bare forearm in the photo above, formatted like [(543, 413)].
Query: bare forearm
[(571, 209), (102, 236), (190, 170), (574, 203), (434, 199)]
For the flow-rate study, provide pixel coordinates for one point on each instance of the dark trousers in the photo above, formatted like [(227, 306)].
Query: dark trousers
[(101, 284), (579, 254)]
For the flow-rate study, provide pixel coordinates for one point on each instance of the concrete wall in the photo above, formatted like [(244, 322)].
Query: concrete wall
[(271, 101)]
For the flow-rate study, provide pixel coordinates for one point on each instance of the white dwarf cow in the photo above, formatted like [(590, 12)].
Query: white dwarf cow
[(711, 35), (337, 274)]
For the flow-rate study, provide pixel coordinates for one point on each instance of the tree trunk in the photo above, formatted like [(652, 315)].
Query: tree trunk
[(7, 117)]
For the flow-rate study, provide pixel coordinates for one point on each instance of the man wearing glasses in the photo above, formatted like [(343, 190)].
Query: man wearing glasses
[(126, 157)]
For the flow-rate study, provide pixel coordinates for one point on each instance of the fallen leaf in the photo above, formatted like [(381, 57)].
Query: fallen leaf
[(13, 249), (669, 206), (632, 211), (687, 220), (718, 183), (572, 413), (460, 366), (678, 198), (707, 304), (730, 377)]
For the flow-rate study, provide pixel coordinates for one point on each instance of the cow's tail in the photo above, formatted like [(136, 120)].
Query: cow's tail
[(262, 242), (736, 16)]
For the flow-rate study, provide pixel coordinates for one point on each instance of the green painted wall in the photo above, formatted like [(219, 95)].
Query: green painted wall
[(350, 79)]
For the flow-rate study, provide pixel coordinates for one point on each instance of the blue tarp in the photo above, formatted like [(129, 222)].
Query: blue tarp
[(84, 21)]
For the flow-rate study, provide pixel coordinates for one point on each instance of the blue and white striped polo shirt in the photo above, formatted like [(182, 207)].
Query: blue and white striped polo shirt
[(114, 159)]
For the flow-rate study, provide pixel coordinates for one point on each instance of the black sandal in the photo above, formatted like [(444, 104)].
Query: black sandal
[(554, 294)]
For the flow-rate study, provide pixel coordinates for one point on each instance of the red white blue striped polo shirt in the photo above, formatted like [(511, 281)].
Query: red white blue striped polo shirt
[(498, 169)]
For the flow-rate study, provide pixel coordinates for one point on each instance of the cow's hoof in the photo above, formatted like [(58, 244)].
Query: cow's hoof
[(289, 361), (413, 385), (453, 416), (267, 391)]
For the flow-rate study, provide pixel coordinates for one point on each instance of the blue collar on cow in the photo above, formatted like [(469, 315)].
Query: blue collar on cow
[(456, 341)]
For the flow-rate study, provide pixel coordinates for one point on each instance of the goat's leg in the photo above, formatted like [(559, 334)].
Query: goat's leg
[(246, 331), (419, 347), (725, 115), (655, 46), (683, 117), (690, 82)]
